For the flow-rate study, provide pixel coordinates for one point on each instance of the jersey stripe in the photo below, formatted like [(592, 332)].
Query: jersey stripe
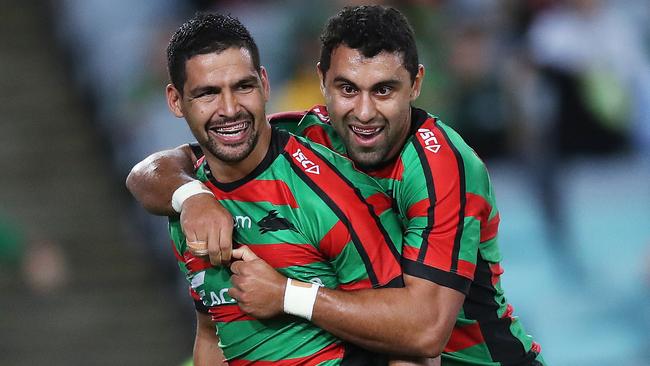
[(380, 203), (273, 191), (282, 255), (464, 337), (392, 171), (332, 352), (335, 240), (441, 248), (228, 313), (364, 237), (316, 133), (461, 195), (503, 345)]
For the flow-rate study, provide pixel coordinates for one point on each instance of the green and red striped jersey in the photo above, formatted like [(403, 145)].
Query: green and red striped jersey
[(443, 195), (307, 212)]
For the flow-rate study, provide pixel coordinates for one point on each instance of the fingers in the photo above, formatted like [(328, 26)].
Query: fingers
[(225, 243), (214, 249), (198, 248), (244, 253)]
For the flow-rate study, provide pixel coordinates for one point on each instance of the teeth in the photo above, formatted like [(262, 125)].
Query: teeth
[(232, 129), (365, 131)]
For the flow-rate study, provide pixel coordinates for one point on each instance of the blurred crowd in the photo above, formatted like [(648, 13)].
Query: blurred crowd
[(533, 82)]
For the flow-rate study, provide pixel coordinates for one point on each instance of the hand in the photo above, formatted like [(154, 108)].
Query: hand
[(208, 228), (257, 287)]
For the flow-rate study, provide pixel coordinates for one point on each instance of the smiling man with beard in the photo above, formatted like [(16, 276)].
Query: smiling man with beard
[(453, 303), (310, 214)]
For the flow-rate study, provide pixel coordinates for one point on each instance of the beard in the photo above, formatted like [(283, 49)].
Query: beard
[(233, 153)]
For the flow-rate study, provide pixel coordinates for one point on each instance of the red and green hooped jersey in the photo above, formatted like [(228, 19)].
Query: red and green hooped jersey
[(442, 192), (308, 213)]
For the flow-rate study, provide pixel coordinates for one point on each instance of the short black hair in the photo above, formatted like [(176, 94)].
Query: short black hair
[(370, 29), (206, 33)]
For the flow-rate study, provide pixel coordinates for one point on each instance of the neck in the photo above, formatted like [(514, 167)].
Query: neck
[(227, 172)]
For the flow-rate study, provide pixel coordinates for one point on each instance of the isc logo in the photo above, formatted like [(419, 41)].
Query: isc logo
[(430, 140), (308, 165)]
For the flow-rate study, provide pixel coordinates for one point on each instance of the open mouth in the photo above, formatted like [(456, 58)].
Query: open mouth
[(232, 131), (366, 132)]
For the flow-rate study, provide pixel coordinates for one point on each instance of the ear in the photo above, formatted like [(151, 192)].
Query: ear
[(174, 99), (266, 86), (417, 83), (321, 78)]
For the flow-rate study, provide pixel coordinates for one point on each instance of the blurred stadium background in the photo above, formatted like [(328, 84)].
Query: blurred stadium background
[(553, 94)]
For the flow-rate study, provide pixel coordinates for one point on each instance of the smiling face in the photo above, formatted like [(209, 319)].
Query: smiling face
[(223, 102), (369, 103)]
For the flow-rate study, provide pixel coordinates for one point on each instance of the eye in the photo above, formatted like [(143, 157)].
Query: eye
[(348, 89), (245, 87), (383, 90)]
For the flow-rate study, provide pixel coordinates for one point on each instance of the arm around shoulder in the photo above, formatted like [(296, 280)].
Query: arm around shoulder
[(153, 180)]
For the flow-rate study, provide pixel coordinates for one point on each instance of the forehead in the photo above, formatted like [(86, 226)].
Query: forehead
[(230, 64), (351, 64)]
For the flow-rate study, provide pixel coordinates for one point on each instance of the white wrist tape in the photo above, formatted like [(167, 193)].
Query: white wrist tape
[(186, 191), (299, 298)]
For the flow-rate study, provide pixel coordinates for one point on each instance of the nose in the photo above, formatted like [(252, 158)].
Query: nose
[(229, 105), (366, 110)]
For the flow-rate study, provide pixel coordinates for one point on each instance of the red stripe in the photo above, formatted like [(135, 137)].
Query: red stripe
[(490, 230), (536, 347), (410, 252), (444, 167), (176, 253), (358, 215), (466, 269), (478, 207), (320, 111), (497, 271), (464, 337), (228, 313), (285, 255), (335, 240), (199, 162), (418, 209), (509, 311), (392, 171), (194, 294), (196, 264), (380, 202), (317, 134), (334, 351), (273, 191), (358, 285)]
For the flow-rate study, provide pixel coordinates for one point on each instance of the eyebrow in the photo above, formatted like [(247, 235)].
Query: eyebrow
[(211, 88), (387, 82)]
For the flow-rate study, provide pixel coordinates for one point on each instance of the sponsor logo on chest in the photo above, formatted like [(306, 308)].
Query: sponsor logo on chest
[(430, 140), (307, 165)]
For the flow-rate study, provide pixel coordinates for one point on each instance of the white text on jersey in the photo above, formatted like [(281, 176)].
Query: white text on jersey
[(430, 140), (308, 165)]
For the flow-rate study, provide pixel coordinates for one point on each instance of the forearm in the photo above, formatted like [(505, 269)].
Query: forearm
[(206, 343), (153, 180), (413, 321)]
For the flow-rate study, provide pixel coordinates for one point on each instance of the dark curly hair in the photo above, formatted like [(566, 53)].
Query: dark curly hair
[(206, 33), (370, 29)]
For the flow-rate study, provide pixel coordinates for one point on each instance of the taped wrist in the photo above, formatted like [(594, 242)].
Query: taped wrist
[(299, 298), (186, 191)]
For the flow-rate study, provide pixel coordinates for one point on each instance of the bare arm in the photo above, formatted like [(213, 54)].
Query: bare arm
[(153, 180), (416, 320), (206, 343)]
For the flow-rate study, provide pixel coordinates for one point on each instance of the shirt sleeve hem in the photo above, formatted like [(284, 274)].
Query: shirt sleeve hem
[(442, 278)]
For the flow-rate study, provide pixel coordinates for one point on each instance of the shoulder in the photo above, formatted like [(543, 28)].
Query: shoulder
[(440, 149)]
